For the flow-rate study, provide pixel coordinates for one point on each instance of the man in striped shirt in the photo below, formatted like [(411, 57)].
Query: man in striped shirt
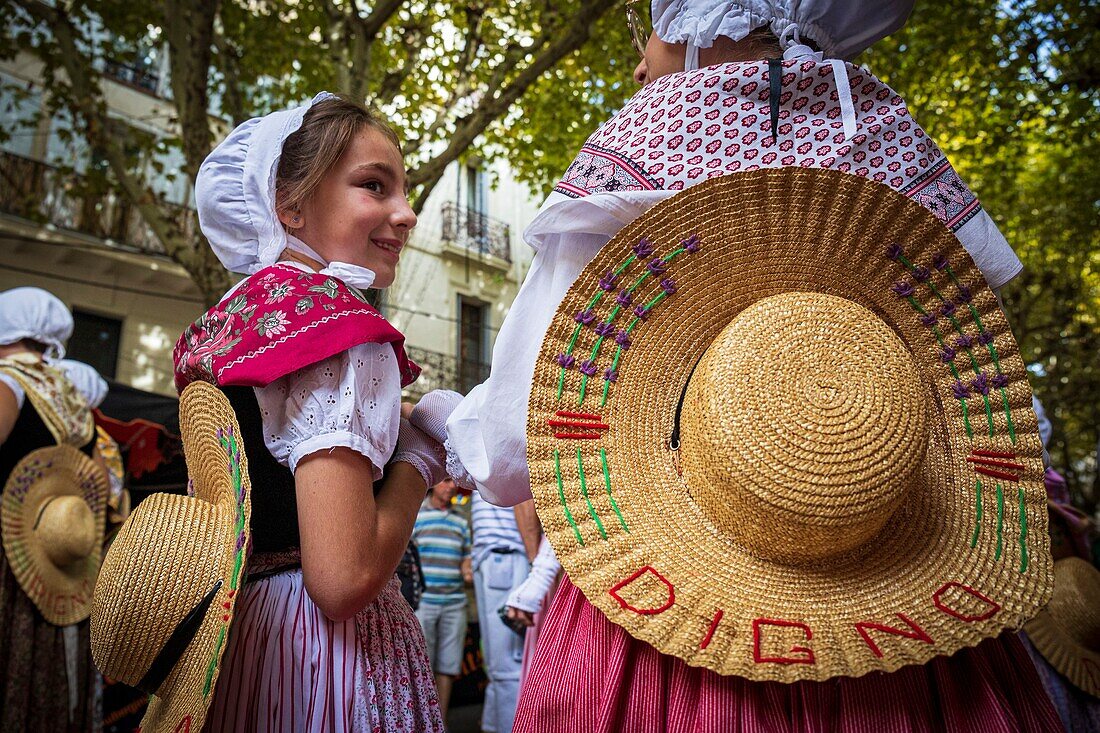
[(443, 539)]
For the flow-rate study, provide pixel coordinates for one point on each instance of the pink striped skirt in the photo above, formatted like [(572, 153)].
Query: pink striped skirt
[(289, 668), (590, 675)]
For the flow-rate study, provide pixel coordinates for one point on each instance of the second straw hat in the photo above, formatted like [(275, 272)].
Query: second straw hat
[(169, 585), (779, 428)]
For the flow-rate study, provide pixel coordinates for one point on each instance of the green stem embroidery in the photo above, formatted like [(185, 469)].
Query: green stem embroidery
[(213, 663), (561, 496), (607, 485), (1023, 532), (584, 491), (1000, 519), (978, 512)]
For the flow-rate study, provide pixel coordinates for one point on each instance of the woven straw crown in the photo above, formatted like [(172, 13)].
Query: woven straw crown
[(52, 517), (168, 587), (779, 428), (1067, 631)]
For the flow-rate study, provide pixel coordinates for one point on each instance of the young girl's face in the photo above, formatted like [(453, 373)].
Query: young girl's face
[(360, 213)]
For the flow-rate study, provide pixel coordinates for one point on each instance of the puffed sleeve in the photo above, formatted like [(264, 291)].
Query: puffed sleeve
[(15, 387), (351, 400)]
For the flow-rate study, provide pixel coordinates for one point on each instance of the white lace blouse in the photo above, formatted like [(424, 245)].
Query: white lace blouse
[(352, 400)]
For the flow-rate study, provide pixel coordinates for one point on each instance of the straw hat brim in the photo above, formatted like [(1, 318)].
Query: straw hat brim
[(63, 595), (942, 575), (172, 553), (1076, 662)]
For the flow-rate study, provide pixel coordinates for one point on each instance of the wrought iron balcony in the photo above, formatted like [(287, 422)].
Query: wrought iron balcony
[(444, 371), (138, 76), (34, 190), (476, 232)]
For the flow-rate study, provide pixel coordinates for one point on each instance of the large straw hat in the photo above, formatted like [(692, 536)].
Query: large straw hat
[(779, 428), (169, 584), (52, 520), (1067, 631)]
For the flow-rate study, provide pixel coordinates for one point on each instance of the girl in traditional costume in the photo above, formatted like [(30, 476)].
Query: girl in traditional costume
[(47, 679), (311, 204), (729, 88)]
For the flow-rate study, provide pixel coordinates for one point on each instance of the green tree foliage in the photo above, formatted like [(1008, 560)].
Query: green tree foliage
[(442, 72)]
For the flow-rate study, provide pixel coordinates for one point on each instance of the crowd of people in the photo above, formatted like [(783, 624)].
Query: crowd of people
[(757, 450)]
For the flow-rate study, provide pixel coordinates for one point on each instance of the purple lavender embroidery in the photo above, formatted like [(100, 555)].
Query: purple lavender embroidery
[(960, 391), (893, 252), (622, 338), (692, 244), (902, 288), (940, 261), (585, 317), (240, 540), (964, 341), (668, 285), (921, 274), (604, 328), (964, 295), (985, 338), (611, 375), (641, 312), (981, 384), (999, 381), (928, 319), (947, 355), (624, 299), (565, 360), (588, 368), (656, 266), (607, 282), (948, 309), (644, 248)]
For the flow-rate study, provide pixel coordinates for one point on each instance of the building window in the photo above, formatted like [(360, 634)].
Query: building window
[(95, 341), (473, 343)]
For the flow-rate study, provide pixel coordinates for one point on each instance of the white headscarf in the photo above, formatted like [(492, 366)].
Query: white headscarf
[(86, 379), (33, 313), (840, 28), (235, 197)]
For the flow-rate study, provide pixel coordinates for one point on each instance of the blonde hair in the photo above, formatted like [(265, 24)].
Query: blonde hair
[(312, 150)]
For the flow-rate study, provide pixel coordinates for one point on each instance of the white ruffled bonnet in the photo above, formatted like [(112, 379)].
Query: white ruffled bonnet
[(840, 28), (86, 380), (235, 191), (33, 313)]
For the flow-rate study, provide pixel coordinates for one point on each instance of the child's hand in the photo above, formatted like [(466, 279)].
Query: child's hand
[(407, 410)]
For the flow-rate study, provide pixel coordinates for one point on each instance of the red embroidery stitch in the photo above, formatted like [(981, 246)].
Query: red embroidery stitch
[(998, 464), (916, 633), (994, 606), (184, 726), (578, 415), (756, 654), (992, 453), (577, 436), (573, 424), (996, 474), (710, 632), (614, 592)]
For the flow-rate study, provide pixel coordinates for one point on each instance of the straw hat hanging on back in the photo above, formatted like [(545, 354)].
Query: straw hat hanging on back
[(168, 587), (1067, 631), (779, 428), (53, 522)]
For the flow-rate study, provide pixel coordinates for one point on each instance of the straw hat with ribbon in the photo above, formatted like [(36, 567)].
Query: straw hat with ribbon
[(169, 584), (1067, 631), (52, 520), (779, 428)]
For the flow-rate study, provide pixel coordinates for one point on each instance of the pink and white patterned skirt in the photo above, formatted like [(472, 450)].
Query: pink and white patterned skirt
[(288, 668)]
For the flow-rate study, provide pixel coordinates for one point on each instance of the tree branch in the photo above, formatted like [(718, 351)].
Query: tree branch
[(567, 39), (382, 12)]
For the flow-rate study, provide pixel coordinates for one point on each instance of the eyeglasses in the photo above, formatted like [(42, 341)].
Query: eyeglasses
[(638, 25)]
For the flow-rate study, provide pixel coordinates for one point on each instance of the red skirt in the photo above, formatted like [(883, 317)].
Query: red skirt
[(590, 675)]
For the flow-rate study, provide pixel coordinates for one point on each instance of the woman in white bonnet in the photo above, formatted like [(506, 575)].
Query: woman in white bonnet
[(310, 204), (47, 678), (728, 87)]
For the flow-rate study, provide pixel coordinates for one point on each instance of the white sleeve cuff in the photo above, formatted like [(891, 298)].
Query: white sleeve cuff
[(342, 439)]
